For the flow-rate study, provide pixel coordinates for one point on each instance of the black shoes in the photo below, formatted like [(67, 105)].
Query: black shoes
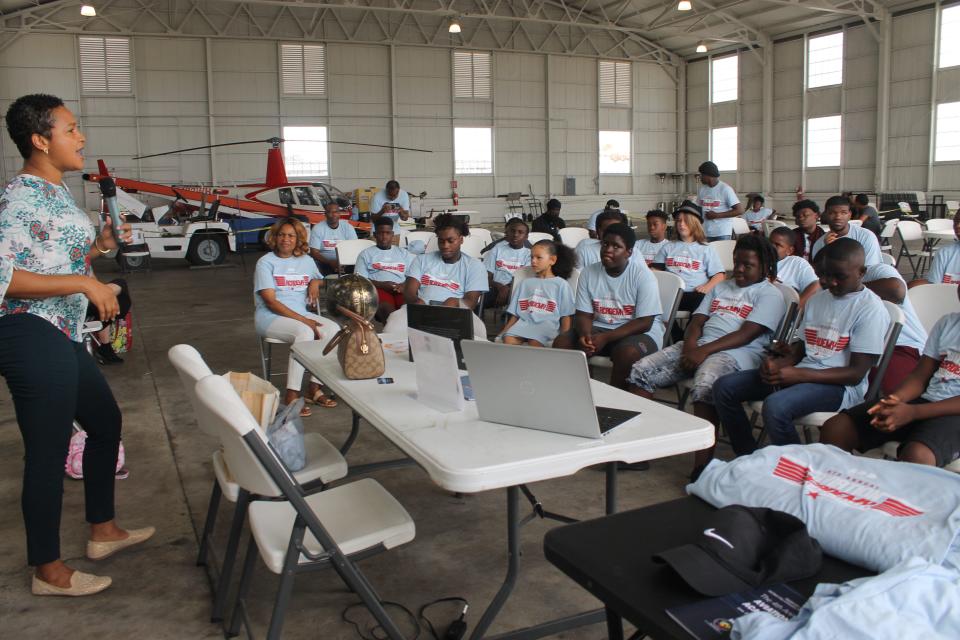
[(106, 356)]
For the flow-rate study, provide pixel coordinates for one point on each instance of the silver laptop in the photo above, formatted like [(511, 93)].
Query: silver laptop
[(536, 388)]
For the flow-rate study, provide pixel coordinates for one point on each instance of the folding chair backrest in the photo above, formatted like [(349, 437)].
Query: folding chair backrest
[(939, 224), (888, 259), (348, 250), (191, 368), (671, 290), (236, 425), (933, 301), (483, 234), (889, 228), (724, 249), (536, 236), (909, 231), (574, 281), (472, 245), (412, 236), (740, 226), (897, 318), (433, 244), (572, 236), (770, 225), (791, 303), (522, 274)]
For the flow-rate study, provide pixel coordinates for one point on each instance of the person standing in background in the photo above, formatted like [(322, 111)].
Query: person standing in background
[(719, 203)]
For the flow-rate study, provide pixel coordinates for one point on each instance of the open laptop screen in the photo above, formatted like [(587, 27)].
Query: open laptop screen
[(455, 323)]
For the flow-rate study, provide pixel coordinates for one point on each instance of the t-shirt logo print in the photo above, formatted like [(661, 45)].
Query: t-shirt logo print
[(951, 278), (950, 366), (611, 310), (735, 306), (399, 267), (427, 280), (537, 304), (291, 283), (822, 342), (509, 266), (683, 262)]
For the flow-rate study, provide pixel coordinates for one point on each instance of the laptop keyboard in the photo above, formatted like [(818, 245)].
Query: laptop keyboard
[(610, 418)]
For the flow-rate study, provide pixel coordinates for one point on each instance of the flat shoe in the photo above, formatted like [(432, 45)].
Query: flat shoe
[(81, 584), (100, 550)]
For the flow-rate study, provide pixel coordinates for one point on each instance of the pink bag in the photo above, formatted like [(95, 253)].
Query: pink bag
[(74, 466)]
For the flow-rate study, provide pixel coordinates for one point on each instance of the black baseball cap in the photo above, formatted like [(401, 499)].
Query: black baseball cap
[(689, 206), (743, 548)]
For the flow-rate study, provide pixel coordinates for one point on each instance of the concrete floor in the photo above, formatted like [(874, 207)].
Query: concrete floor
[(159, 593)]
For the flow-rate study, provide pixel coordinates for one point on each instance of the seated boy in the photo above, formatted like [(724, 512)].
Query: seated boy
[(945, 267), (923, 414), (385, 265), (792, 271), (757, 213), (503, 260), (588, 250), (842, 336), (806, 213), (447, 276), (726, 333), (618, 307), (324, 237), (837, 212), (657, 230)]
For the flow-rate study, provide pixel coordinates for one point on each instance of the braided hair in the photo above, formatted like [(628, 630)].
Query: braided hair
[(566, 258), (766, 253)]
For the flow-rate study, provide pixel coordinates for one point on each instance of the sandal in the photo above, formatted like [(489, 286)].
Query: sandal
[(321, 400), (305, 412)]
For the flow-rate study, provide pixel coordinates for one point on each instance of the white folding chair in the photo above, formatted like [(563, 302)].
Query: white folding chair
[(770, 225), (348, 250), (932, 302), (574, 280), (472, 246), (952, 207), (411, 236), (815, 420), (910, 231), (305, 531), (887, 233), (939, 224), (856, 223), (572, 236), (522, 274), (740, 226), (324, 464), (724, 249), (536, 236), (482, 234), (433, 244), (888, 259)]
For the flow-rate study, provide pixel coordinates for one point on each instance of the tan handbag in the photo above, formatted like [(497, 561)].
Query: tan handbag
[(359, 349)]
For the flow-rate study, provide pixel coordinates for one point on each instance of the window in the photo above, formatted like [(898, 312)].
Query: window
[(825, 61), (824, 141), (723, 148), (305, 151), (303, 69), (615, 152), (471, 75), (105, 65), (614, 84), (723, 79), (473, 150), (949, 44), (948, 132)]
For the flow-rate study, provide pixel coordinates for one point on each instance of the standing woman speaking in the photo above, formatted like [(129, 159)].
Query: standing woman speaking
[(46, 246)]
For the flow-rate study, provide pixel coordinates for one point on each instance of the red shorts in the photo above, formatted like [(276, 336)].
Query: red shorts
[(396, 299), (904, 360)]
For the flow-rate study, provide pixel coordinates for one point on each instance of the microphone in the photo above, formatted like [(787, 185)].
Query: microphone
[(108, 189)]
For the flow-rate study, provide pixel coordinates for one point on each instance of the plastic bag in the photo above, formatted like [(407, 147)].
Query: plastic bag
[(285, 435)]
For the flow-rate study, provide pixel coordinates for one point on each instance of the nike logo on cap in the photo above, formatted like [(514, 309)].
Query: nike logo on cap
[(712, 533)]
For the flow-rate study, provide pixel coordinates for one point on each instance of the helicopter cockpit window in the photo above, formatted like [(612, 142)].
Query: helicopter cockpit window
[(286, 196), (305, 195)]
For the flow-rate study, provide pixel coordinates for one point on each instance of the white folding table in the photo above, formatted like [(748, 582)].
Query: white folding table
[(462, 453)]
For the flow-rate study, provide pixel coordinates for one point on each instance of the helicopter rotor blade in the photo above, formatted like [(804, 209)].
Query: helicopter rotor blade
[(362, 144), (275, 141)]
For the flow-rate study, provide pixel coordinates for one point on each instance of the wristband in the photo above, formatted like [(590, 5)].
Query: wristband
[(96, 243)]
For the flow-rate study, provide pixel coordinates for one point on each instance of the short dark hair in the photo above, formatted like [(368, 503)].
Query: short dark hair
[(836, 201), (756, 197), (625, 233), (28, 115), (658, 213), (786, 232), (805, 204), (382, 221), (612, 204), (450, 221), (392, 184), (842, 249), (515, 221), (553, 203), (611, 214), (862, 199)]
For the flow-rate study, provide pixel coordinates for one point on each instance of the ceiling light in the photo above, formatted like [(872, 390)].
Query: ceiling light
[(88, 10), (701, 47), (684, 5), (454, 27)]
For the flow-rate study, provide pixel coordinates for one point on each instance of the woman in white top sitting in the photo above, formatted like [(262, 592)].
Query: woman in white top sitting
[(285, 281)]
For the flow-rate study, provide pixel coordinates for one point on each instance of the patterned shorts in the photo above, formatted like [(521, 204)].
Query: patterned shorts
[(662, 369)]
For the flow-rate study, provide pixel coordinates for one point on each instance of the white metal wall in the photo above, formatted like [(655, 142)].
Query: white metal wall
[(544, 112)]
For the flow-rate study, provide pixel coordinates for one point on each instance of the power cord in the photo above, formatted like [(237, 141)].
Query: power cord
[(455, 631), (375, 631), (457, 628)]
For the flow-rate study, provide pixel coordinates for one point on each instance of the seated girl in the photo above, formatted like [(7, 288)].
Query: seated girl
[(503, 260), (691, 258), (726, 333), (542, 307), (447, 276), (285, 281)]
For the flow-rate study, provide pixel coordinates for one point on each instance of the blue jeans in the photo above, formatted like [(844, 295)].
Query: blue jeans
[(780, 407)]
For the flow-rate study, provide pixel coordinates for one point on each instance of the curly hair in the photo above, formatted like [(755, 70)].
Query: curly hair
[(28, 115), (303, 246), (450, 221), (566, 258)]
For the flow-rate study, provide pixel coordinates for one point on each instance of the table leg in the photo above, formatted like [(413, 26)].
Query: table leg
[(614, 625), (354, 430), (611, 488), (513, 564)]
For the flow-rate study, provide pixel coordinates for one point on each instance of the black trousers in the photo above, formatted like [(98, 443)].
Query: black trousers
[(54, 381), (689, 301)]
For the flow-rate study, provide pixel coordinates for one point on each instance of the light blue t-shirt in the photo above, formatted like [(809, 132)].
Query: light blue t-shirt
[(871, 248), (588, 253), (945, 268), (721, 197), (913, 334), (384, 265), (728, 306), (695, 263), (503, 261), (540, 304), (833, 328), (616, 301), (289, 279), (324, 239), (648, 249), (944, 345), (380, 198), (797, 273), (755, 218), (592, 221), (439, 280)]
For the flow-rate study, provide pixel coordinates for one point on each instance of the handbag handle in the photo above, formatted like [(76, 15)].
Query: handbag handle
[(347, 330)]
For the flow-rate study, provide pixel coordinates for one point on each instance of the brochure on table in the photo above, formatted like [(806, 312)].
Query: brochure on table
[(438, 377), (714, 618)]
